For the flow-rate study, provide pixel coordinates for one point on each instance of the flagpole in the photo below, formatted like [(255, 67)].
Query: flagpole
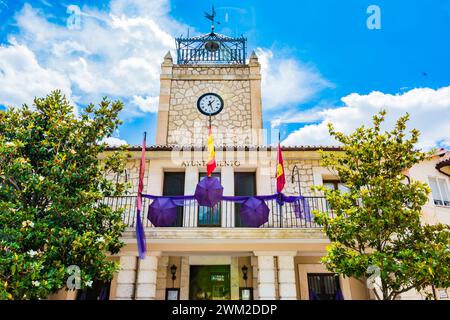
[(279, 193)]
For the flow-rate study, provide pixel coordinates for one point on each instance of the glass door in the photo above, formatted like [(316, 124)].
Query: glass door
[(210, 217), (209, 283), (174, 186)]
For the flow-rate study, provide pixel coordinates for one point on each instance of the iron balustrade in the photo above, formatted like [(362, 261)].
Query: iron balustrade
[(224, 215)]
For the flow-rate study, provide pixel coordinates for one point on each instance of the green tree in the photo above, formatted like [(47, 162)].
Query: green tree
[(51, 184), (376, 225)]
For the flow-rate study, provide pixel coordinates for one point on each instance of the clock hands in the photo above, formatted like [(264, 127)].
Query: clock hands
[(210, 104)]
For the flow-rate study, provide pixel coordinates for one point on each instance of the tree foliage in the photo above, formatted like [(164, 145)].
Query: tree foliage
[(377, 224), (51, 184)]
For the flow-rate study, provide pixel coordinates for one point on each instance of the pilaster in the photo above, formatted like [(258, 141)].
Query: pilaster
[(266, 276), (126, 278), (286, 276), (147, 276)]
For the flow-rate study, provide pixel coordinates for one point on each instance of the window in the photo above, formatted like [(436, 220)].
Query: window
[(439, 190), (335, 185), (244, 185), (324, 286), (210, 217), (174, 186)]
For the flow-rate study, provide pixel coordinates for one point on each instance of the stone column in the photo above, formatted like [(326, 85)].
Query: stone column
[(256, 104), (147, 276), (266, 276), (161, 278), (164, 100), (286, 276), (126, 278), (234, 278), (254, 263), (184, 280)]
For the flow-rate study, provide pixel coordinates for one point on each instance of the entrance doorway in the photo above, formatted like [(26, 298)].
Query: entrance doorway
[(209, 283)]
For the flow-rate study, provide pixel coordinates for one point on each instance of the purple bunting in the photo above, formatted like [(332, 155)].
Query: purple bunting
[(208, 192), (254, 212), (302, 210), (179, 200), (162, 212)]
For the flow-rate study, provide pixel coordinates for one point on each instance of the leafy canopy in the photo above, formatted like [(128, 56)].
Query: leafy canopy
[(51, 181), (376, 225)]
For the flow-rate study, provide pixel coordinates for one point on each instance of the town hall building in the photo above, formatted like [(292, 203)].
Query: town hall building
[(210, 253)]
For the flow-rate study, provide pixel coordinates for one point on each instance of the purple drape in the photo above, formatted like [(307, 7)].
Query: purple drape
[(179, 200)]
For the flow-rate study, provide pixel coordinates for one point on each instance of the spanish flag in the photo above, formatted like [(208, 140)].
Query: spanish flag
[(281, 180), (211, 164)]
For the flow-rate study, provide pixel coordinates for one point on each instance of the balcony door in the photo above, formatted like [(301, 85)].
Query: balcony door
[(244, 185), (174, 186), (210, 217)]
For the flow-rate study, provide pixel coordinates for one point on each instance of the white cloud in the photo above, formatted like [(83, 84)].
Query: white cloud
[(287, 81), (22, 78), (429, 110), (116, 53), (147, 104), (446, 143), (114, 142)]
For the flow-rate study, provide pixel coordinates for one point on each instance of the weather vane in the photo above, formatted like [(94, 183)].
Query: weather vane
[(212, 17)]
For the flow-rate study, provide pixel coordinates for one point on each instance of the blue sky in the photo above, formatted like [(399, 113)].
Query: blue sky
[(333, 68)]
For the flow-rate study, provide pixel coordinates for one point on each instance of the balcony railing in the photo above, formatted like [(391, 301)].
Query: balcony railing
[(225, 214)]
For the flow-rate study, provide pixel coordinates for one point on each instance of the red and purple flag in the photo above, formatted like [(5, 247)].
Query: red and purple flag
[(140, 235)]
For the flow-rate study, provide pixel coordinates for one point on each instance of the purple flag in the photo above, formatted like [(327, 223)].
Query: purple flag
[(302, 209), (140, 235)]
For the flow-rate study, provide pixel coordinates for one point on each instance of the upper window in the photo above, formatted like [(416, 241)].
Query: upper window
[(335, 185), (439, 190)]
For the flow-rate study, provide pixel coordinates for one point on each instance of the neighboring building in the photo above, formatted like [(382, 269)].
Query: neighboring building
[(209, 254), (435, 171)]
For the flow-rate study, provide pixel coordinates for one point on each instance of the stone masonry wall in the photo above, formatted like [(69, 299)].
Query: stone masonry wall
[(232, 126), (305, 174)]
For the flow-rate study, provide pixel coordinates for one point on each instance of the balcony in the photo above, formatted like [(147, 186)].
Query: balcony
[(225, 214)]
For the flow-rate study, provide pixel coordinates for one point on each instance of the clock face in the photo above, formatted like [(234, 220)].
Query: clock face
[(210, 104)]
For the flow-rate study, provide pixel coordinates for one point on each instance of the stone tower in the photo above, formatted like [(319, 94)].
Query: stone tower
[(214, 64)]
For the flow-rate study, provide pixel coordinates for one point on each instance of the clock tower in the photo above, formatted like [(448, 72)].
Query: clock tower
[(211, 79)]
